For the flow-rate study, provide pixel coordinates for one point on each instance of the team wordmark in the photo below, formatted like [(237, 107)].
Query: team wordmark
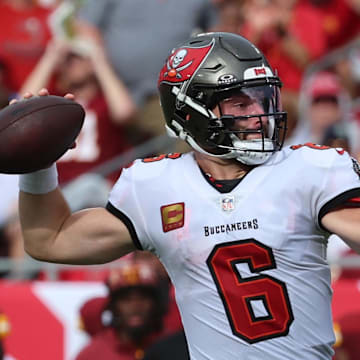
[(226, 228)]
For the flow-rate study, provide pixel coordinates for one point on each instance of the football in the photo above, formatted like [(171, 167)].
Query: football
[(37, 131)]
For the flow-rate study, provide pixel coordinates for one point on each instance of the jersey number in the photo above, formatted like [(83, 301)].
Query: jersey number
[(243, 297)]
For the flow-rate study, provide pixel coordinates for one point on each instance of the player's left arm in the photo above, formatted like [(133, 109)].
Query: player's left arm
[(345, 223)]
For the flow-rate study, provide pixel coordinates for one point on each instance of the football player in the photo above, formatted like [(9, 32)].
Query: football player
[(240, 224), (136, 317)]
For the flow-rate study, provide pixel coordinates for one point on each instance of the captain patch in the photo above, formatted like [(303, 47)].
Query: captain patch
[(172, 216)]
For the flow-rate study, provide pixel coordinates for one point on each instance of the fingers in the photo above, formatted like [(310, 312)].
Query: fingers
[(41, 92), (69, 96)]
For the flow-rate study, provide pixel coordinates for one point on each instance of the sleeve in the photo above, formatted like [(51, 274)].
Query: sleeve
[(341, 186), (124, 203)]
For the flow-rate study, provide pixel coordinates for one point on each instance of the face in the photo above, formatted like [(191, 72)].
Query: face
[(323, 114), (76, 72), (243, 104), (134, 310)]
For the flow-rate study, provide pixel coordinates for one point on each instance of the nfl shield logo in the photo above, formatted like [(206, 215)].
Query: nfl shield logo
[(228, 203)]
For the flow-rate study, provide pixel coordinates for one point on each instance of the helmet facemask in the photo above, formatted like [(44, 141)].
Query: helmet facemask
[(223, 133), (252, 125)]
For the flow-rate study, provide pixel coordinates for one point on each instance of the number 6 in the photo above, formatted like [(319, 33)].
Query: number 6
[(237, 293)]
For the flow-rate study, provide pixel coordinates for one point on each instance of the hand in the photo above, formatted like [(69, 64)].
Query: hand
[(45, 92), (42, 92)]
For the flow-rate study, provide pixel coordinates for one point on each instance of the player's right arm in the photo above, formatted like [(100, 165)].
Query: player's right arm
[(52, 233)]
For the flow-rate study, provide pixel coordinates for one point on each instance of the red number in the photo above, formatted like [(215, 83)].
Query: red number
[(163, 156), (238, 293), (317, 147)]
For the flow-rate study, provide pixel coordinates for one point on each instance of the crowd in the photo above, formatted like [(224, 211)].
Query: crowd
[(108, 53)]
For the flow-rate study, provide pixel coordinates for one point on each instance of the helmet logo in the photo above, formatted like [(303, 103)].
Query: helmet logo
[(227, 79), (182, 64), (173, 63), (257, 72), (260, 71)]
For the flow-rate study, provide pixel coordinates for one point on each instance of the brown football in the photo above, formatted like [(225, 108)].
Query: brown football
[(36, 132)]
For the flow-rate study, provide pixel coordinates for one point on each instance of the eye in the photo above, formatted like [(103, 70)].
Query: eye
[(241, 105)]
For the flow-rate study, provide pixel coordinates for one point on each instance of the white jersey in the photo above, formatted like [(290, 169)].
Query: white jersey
[(249, 266)]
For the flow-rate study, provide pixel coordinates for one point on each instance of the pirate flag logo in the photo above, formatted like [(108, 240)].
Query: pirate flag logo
[(182, 64)]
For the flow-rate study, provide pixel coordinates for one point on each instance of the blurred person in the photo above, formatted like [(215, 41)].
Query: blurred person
[(230, 15), (240, 224), (326, 114), (137, 36), (338, 18), (25, 39), (83, 69), (291, 37), (349, 71), (91, 315), (135, 303)]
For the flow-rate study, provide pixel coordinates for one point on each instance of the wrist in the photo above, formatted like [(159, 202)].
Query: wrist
[(39, 182)]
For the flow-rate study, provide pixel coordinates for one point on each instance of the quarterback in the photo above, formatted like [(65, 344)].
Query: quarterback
[(240, 223)]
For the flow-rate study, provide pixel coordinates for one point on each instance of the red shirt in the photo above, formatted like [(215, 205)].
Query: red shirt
[(305, 27), (99, 140), (23, 39), (338, 20), (105, 345)]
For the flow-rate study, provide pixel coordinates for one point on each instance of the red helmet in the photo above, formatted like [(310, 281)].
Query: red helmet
[(133, 273), (142, 275)]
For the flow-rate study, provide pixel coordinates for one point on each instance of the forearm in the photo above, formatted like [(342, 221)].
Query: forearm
[(346, 224), (121, 106), (295, 50), (41, 218), (40, 76)]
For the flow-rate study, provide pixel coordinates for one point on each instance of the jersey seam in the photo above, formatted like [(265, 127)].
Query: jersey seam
[(336, 203), (127, 222)]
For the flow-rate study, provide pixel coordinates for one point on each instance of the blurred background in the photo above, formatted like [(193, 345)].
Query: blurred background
[(109, 53)]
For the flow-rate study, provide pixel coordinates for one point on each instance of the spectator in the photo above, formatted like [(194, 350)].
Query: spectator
[(136, 306), (85, 71), (230, 15), (291, 37), (24, 41), (91, 315), (137, 36), (326, 114), (339, 19)]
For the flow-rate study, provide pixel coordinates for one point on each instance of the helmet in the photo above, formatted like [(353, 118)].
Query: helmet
[(200, 75), (135, 273), (143, 276)]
